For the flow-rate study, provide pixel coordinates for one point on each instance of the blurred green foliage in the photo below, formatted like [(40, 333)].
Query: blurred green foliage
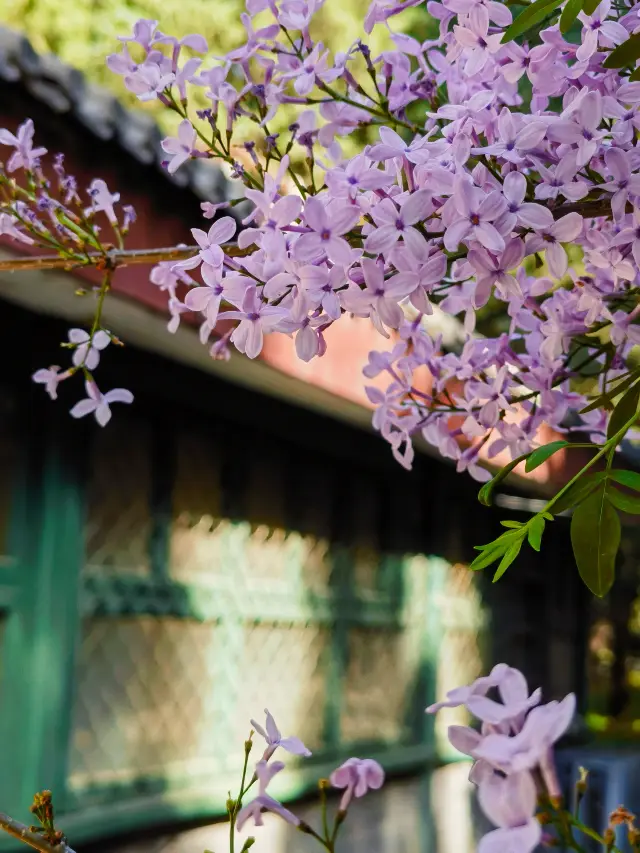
[(83, 32)]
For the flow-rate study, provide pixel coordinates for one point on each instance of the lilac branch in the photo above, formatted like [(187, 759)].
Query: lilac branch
[(27, 836), (110, 259)]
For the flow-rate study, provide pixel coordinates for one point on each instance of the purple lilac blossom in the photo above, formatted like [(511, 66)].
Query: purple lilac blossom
[(441, 211), (264, 802), (357, 776), (98, 404), (514, 742), (271, 733)]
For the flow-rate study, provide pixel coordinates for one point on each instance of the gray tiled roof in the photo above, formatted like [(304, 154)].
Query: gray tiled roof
[(66, 91)]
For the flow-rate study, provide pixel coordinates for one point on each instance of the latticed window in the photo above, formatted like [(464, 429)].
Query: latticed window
[(118, 526), (460, 656), (182, 577), (214, 586)]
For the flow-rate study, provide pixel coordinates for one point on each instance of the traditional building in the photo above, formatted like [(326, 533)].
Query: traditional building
[(239, 538)]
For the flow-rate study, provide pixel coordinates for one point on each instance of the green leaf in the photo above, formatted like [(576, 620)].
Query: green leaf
[(590, 6), (620, 387), (535, 531), (605, 401), (531, 16), (485, 494), (514, 524), (569, 15), (508, 558), (625, 409), (625, 54), (635, 76), (494, 549), (624, 502), (576, 493), (541, 454), (601, 402), (626, 478), (582, 359), (489, 555), (595, 537)]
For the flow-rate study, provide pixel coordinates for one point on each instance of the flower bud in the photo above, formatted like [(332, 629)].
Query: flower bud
[(581, 784)]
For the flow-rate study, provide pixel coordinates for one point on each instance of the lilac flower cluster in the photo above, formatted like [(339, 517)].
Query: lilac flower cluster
[(513, 772), (513, 754), (356, 776), (517, 185), (459, 208), (51, 214)]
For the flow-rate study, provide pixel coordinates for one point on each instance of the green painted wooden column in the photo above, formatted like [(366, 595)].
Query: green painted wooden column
[(432, 643), (16, 493), (42, 627), (432, 637)]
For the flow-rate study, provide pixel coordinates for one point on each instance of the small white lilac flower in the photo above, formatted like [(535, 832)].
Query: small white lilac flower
[(88, 347), (102, 200), (25, 156), (357, 776), (51, 377), (271, 733), (8, 228), (180, 146), (210, 241), (209, 209), (98, 404), (264, 802)]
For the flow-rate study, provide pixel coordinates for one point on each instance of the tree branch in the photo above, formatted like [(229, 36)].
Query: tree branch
[(113, 258), (126, 257), (33, 839), (594, 208)]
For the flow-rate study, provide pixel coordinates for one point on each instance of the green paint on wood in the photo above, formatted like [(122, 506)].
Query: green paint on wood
[(41, 630), (432, 639), (248, 591)]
